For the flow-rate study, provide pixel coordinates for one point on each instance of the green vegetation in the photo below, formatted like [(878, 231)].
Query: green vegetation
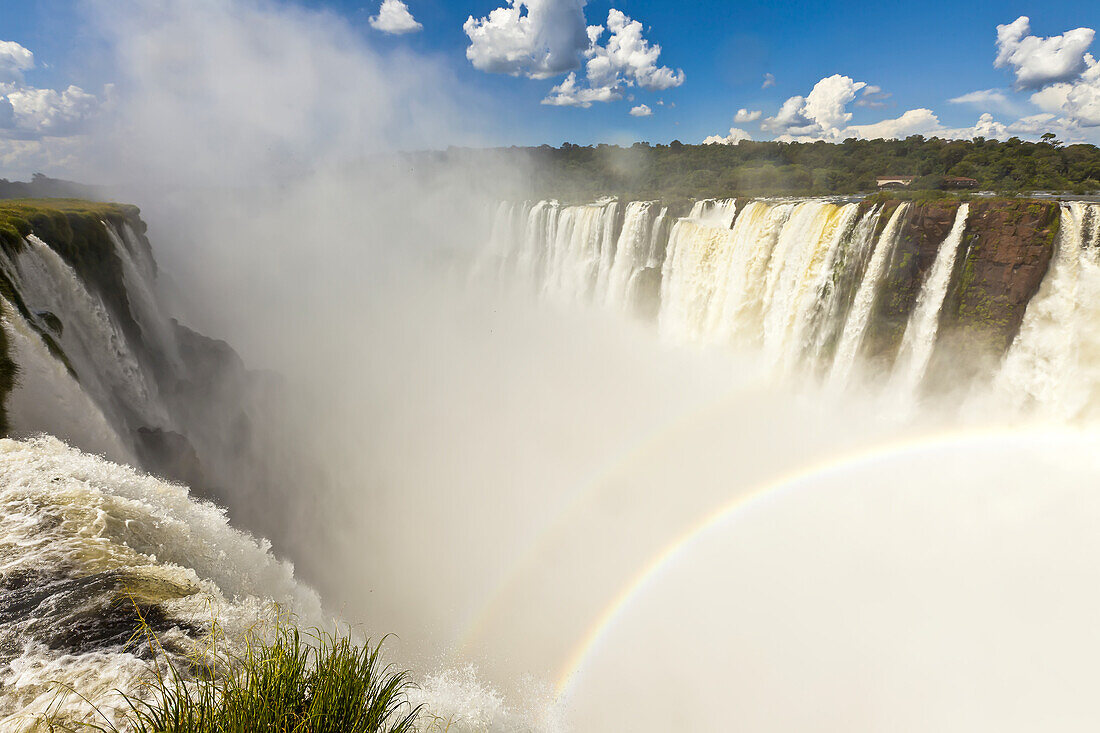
[(679, 172), (73, 228), (280, 683)]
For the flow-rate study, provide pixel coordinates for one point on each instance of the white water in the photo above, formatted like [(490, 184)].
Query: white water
[(790, 279), (138, 275), (632, 253), (929, 573), (856, 326), (1053, 365), (84, 532), (919, 339), (104, 360), (47, 399)]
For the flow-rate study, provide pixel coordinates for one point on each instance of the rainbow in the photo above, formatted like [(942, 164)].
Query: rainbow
[(602, 476), (782, 485)]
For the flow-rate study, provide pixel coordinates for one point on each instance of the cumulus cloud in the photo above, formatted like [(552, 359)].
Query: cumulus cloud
[(533, 38), (544, 38), (1077, 101), (14, 60), (49, 112), (769, 81), (27, 112), (394, 17), (736, 136), (1037, 61), (913, 122), (744, 115), (1034, 125), (821, 114), (627, 60), (642, 110), (571, 93), (628, 57)]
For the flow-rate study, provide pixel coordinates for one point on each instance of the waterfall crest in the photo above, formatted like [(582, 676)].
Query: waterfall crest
[(802, 282)]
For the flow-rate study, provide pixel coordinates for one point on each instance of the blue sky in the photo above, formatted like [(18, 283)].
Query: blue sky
[(920, 56)]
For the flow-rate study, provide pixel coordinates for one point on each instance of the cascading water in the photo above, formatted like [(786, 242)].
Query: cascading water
[(82, 540), (632, 253), (856, 325), (47, 398), (920, 334), (138, 275), (101, 354), (800, 281), (1054, 363)]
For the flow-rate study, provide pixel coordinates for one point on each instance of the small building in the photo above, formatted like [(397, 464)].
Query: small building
[(959, 182), (895, 181)]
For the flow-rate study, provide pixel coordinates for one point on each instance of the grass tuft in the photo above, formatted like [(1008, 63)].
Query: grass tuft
[(286, 681)]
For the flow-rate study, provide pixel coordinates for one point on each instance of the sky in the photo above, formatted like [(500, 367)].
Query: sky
[(551, 71)]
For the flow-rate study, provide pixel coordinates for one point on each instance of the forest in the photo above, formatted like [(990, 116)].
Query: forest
[(679, 171)]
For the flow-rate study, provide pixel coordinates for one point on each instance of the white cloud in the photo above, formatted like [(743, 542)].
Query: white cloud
[(642, 110), (394, 17), (627, 60), (736, 136), (49, 112), (987, 100), (769, 81), (1033, 125), (544, 38), (743, 115), (1082, 105), (14, 60), (820, 114), (985, 127), (1078, 101), (628, 57), (27, 112), (1037, 61), (534, 38), (572, 94), (913, 122)]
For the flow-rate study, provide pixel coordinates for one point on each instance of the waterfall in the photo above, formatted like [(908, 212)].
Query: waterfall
[(47, 398), (856, 326), (841, 277), (799, 282), (803, 259), (920, 332), (581, 253), (779, 276), (1054, 363), (757, 284), (138, 274), (99, 351), (632, 253)]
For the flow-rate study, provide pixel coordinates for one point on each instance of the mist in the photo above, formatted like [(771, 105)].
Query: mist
[(483, 474)]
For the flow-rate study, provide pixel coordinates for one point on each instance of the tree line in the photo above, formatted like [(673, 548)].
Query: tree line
[(678, 171)]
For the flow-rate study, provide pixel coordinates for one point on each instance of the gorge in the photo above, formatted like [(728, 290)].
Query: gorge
[(945, 304)]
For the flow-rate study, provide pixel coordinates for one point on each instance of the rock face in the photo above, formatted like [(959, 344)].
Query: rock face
[(924, 229), (1002, 259)]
